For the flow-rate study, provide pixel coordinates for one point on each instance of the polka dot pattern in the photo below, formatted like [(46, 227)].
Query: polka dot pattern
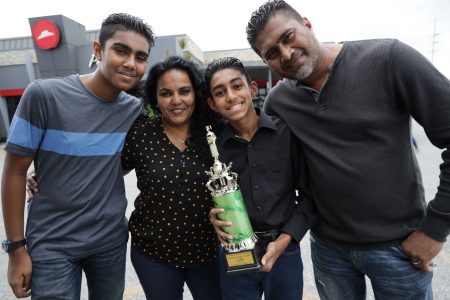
[(170, 221)]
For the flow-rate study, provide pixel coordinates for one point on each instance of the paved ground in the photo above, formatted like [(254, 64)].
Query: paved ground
[(429, 159)]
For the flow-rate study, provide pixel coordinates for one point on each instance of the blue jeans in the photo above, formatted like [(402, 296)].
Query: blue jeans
[(165, 282), (283, 282), (61, 278), (340, 273)]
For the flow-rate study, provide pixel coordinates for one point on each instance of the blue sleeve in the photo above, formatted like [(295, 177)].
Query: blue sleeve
[(29, 123)]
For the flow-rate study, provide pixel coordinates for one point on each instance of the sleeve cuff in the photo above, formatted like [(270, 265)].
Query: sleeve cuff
[(296, 227), (436, 224)]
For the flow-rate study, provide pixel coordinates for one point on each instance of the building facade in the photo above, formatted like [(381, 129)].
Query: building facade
[(60, 46)]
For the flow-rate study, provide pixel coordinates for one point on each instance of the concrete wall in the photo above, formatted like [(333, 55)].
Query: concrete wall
[(14, 77)]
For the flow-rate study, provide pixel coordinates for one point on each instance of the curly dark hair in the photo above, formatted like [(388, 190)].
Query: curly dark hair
[(261, 16), (121, 22), (202, 115)]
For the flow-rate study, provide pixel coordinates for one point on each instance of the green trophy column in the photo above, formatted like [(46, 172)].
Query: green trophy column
[(235, 211), (240, 255)]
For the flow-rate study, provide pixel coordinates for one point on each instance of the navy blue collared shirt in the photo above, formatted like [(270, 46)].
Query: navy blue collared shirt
[(269, 169)]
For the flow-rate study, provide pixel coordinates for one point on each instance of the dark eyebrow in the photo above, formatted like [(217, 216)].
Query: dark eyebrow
[(236, 79), (278, 41), (142, 53), (122, 45), (217, 87), (231, 81), (128, 48), (162, 91)]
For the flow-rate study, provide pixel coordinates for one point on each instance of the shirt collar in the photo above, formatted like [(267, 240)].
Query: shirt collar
[(264, 122)]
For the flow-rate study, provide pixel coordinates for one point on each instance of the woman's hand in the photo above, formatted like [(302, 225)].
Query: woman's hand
[(32, 185)]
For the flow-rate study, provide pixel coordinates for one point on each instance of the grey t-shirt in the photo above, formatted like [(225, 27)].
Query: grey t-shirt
[(75, 138)]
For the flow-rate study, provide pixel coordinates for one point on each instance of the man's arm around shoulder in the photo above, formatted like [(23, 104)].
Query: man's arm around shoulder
[(13, 204)]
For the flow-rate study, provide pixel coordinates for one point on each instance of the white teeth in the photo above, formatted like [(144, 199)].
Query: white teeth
[(237, 106)]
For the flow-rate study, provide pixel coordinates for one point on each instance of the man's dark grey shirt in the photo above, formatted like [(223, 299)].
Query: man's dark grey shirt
[(356, 137)]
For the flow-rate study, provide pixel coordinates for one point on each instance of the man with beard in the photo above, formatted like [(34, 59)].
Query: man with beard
[(351, 105)]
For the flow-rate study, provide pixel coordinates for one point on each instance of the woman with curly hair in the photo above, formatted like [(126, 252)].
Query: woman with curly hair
[(172, 241)]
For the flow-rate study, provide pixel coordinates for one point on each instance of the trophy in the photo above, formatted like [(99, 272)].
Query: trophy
[(241, 254)]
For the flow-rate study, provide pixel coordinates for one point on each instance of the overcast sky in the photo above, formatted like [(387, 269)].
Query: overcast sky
[(219, 25)]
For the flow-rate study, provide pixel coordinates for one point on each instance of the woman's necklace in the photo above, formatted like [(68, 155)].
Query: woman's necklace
[(175, 139)]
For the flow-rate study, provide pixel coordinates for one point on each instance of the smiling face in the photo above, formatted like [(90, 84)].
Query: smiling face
[(289, 47), (231, 94), (123, 60), (176, 98)]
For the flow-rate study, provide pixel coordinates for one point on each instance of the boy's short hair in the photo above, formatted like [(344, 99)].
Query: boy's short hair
[(224, 63), (125, 22), (261, 16)]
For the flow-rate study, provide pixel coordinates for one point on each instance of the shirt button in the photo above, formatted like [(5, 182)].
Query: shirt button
[(256, 187), (249, 145), (258, 208), (253, 166)]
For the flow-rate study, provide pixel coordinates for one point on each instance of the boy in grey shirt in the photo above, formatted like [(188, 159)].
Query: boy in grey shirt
[(73, 129)]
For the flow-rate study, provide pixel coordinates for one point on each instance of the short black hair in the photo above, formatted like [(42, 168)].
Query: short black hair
[(125, 22), (221, 64), (261, 16)]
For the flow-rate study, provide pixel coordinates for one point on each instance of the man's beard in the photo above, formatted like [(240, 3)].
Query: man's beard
[(306, 69), (311, 63)]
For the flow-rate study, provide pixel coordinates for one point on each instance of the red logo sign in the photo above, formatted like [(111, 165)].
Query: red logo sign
[(45, 34)]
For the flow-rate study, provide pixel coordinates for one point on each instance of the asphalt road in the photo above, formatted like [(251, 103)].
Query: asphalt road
[(429, 160)]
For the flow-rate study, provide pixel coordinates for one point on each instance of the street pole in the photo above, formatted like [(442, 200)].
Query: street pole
[(434, 40)]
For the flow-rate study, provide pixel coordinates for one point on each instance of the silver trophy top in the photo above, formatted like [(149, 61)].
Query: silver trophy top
[(211, 138), (221, 179)]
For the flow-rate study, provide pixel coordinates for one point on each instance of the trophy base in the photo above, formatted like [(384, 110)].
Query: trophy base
[(244, 261)]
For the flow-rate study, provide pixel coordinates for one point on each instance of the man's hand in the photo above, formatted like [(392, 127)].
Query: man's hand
[(275, 249), (19, 272), (32, 186), (422, 249), (218, 225)]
